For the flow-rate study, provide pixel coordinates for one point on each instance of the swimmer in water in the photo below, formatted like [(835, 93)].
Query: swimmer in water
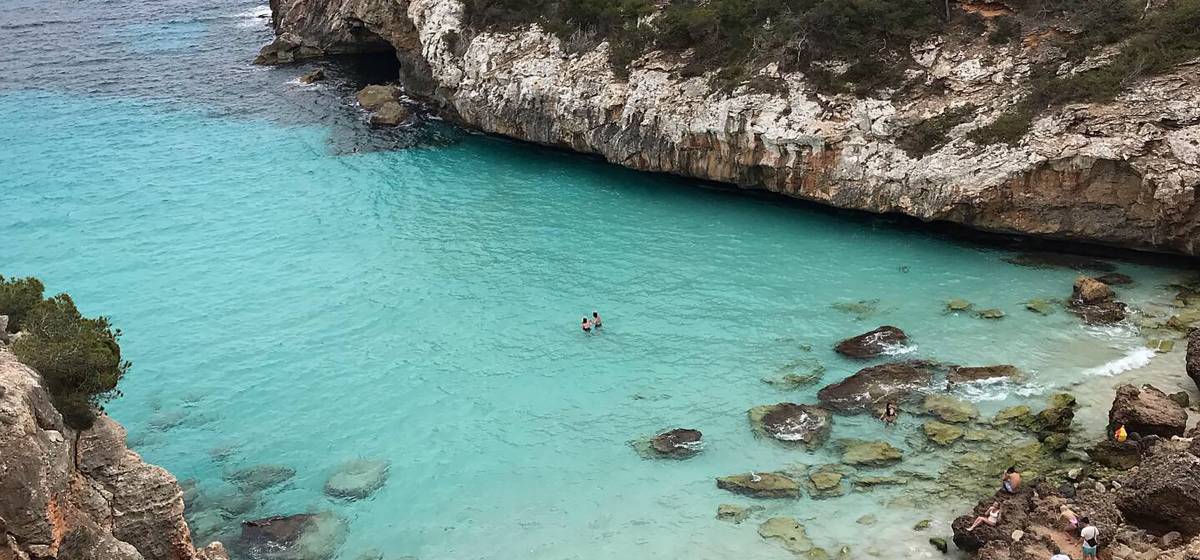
[(596, 322), (890, 413), (587, 325)]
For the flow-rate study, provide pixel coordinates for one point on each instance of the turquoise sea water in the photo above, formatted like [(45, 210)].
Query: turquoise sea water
[(296, 289)]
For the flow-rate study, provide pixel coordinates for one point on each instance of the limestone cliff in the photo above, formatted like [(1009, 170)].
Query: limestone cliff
[(1123, 173), (80, 495)]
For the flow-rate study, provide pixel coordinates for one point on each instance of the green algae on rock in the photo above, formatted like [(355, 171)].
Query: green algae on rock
[(949, 409), (869, 453), (941, 433)]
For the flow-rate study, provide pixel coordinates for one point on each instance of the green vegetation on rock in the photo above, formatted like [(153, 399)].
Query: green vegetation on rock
[(79, 358)]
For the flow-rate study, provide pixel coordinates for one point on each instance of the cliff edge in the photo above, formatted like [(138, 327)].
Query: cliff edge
[(80, 495), (1123, 172)]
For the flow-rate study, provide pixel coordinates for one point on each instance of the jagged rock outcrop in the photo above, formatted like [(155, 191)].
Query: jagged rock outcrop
[(1123, 173), (873, 343), (1193, 356), (71, 495), (875, 386), (1163, 493), (1147, 411)]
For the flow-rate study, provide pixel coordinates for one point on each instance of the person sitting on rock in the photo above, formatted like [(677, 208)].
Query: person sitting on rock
[(1090, 535), (1120, 435), (992, 518), (1071, 518), (587, 325), (1011, 481), (890, 413)]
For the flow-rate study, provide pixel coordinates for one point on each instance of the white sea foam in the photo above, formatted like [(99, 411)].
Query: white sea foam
[(1136, 358), (253, 18), (898, 349)]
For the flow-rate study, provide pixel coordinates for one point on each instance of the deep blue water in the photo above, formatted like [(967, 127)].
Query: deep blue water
[(299, 289)]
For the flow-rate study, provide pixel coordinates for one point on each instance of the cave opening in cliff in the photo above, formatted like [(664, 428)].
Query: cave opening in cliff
[(374, 67)]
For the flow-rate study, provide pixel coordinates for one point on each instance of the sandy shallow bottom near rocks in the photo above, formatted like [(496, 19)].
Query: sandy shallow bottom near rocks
[(295, 295)]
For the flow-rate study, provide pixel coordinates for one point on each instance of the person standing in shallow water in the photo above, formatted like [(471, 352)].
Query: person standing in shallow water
[(587, 325), (890, 413), (596, 322)]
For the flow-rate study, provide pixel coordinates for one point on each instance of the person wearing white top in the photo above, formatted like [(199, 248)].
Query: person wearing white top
[(1089, 533), (1058, 555)]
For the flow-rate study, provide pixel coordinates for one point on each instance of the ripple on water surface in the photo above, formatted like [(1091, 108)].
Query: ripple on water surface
[(288, 302)]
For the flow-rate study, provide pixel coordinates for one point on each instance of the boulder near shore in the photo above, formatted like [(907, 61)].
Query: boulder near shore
[(873, 343)]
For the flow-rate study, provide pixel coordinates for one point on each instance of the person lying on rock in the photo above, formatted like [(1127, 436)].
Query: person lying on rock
[(1011, 481), (992, 518)]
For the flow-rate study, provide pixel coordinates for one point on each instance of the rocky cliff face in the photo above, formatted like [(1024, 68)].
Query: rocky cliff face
[(1124, 173), (80, 495)]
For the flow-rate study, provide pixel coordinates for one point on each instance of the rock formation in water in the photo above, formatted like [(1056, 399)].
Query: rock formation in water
[(1123, 172), (71, 495)]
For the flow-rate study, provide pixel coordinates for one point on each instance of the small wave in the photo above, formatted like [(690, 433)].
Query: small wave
[(898, 349), (998, 389), (1136, 358), (255, 17)]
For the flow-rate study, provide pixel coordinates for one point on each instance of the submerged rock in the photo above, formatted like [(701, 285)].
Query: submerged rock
[(956, 305), (860, 309), (982, 373), (1057, 417), (1060, 260), (1115, 279), (292, 537), (679, 443), (875, 385), (797, 374), (735, 513), (1040, 306), (357, 479), (786, 531), (760, 485), (991, 314), (873, 343), (941, 433), (260, 477), (949, 409), (793, 423), (869, 453), (1020, 415)]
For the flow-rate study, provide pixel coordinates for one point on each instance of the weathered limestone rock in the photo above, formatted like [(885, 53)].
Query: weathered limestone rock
[(1163, 493), (760, 485), (792, 423), (1193, 356), (679, 443), (80, 496), (374, 97), (1094, 301), (260, 477), (305, 536), (312, 77), (735, 513), (391, 113), (875, 385), (1120, 456), (1123, 172), (1147, 411), (983, 373), (873, 343), (826, 481)]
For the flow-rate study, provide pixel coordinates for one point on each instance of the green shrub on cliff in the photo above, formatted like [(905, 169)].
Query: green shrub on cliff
[(17, 297), (79, 358)]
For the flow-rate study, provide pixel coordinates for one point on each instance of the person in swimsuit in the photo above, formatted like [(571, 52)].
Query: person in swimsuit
[(992, 517), (1071, 518), (1011, 481), (596, 322), (890, 413), (1090, 535), (587, 325)]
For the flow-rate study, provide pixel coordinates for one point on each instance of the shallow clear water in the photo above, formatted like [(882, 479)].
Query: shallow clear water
[(296, 289)]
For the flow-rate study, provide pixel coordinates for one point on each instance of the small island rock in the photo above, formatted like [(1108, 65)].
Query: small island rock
[(873, 343)]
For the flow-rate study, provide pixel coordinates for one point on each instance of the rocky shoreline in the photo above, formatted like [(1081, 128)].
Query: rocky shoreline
[(1123, 173), (80, 495)]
